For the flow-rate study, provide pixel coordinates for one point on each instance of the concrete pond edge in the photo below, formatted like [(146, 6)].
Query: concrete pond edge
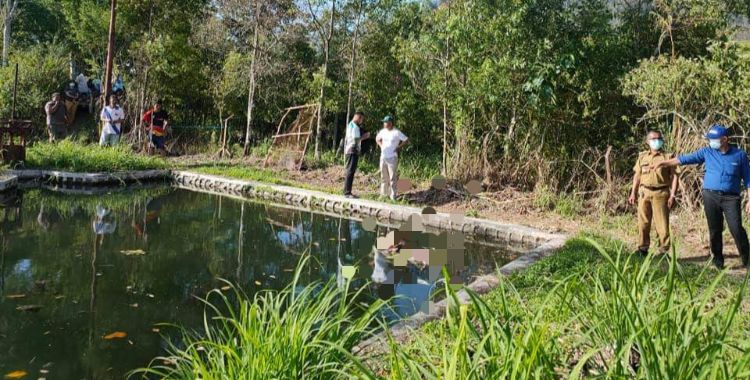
[(540, 244)]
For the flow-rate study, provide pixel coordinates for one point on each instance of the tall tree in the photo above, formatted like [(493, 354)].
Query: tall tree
[(326, 35), (9, 9)]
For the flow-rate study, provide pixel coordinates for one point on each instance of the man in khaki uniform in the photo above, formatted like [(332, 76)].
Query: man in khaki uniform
[(655, 192)]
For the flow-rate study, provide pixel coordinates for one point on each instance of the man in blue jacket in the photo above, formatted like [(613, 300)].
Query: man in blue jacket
[(727, 168)]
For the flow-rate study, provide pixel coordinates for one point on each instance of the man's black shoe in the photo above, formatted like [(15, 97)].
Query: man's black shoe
[(719, 264)]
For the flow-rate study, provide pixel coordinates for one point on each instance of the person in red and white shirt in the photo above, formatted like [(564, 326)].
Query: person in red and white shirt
[(156, 121)]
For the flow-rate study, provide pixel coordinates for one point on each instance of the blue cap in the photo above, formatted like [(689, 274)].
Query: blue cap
[(388, 119), (717, 131)]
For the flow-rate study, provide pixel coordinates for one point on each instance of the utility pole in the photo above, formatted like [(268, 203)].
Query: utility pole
[(110, 52)]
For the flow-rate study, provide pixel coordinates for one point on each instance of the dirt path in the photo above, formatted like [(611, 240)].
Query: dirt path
[(688, 227)]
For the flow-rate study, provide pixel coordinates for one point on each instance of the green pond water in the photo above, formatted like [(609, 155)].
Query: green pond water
[(77, 268)]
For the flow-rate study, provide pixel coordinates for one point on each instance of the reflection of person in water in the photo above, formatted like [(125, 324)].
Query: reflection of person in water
[(151, 214), (410, 281), (104, 223), (47, 218)]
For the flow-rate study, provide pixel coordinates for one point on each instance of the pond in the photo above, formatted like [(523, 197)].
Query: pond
[(85, 280)]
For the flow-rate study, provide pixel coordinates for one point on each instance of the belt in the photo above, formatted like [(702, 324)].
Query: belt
[(719, 192), (654, 188)]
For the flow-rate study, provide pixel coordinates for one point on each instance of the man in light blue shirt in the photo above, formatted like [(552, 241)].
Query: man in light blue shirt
[(727, 169), (352, 149)]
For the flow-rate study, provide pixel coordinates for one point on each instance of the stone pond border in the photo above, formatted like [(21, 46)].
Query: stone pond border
[(540, 244)]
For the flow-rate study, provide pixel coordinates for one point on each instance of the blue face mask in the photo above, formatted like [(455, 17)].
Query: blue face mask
[(714, 143), (656, 144)]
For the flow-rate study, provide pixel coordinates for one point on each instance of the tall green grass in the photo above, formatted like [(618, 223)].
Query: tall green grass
[(619, 318), (298, 332), (592, 311), (77, 157)]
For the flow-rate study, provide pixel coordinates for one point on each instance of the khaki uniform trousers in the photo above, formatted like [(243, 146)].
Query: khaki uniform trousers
[(389, 175), (71, 107), (653, 209)]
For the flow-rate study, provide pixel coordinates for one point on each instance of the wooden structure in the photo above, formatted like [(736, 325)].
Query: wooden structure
[(290, 144), (13, 136)]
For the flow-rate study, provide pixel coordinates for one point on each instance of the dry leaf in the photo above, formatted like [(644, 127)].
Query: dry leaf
[(225, 288), (15, 296), (16, 375), (43, 371), (134, 305), (258, 283), (116, 335), (133, 252), (156, 330), (29, 308), (149, 295), (288, 269)]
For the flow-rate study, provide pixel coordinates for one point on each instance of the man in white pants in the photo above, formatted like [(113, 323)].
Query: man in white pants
[(112, 117), (390, 140)]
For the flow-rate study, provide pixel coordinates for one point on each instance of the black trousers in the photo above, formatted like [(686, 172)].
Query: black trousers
[(720, 206), (351, 168)]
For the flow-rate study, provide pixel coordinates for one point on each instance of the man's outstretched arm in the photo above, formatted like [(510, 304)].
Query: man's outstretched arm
[(668, 164)]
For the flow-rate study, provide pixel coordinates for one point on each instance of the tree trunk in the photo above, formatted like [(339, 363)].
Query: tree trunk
[(251, 90), (352, 71), (446, 67), (10, 10), (321, 98)]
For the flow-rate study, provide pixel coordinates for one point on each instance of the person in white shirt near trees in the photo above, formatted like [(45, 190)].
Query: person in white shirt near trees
[(112, 117), (390, 140)]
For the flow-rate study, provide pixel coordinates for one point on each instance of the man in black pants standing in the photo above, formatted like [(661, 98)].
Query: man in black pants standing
[(726, 168), (352, 149)]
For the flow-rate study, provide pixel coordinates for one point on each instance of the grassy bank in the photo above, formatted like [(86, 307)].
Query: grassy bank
[(589, 311), (77, 157)]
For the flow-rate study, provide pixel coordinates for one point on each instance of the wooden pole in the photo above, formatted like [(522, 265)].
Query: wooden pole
[(110, 52)]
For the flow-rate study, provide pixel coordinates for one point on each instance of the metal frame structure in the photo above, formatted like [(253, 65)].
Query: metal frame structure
[(13, 137), (301, 128)]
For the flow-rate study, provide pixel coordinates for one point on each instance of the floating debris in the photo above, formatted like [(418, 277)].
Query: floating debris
[(29, 308), (133, 252), (149, 295), (16, 375), (116, 335), (134, 305), (258, 283), (15, 296), (225, 288)]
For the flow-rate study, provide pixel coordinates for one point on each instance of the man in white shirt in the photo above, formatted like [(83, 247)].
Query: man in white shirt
[(352, 149), (112, 117), (390, 140)]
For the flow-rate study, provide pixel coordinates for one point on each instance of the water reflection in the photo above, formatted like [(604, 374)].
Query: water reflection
[(69, 258)]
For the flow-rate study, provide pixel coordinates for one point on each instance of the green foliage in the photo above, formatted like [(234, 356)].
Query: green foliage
[(72, 156), (42, 69), (301, 331), (589, 311)]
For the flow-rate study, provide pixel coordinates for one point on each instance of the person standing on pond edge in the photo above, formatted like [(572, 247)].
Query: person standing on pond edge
[(56, 118), (352, 149), (390, 140), (655, 191), (726, 167), (157, 121)]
